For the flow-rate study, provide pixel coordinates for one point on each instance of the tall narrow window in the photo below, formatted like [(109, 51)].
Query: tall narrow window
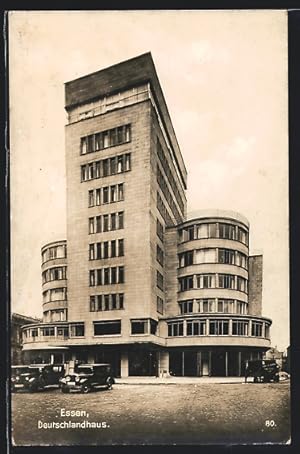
[(113, 275), (98, 255), (98, 196), (120, 166), (121, 220), (105, 252), (91, 171), (191, 233), (91, 198), (159, 280), (91, 252), (121, 274), (98, 224), (113, 166), (97, 169), (105, 167), (106, 302), (113, 221), (127, 162), (83, 145), (106, 194), (106, 276), (113, 248), (105, 223), (120, 134), (121, 300), (97, 141), (121, 191), (114, 301), (99, 303), (92, 278), (120, 248), (91, 225), (127, 133), (99, 277), (113, 193), (160, 305), (90, 143), (105, 139), (92, 304), (83, 173)]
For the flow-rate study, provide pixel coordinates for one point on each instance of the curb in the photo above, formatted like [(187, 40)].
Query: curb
[(178, 383)]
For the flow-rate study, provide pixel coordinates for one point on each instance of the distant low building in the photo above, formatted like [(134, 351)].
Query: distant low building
[(17, 321), (273, 353)]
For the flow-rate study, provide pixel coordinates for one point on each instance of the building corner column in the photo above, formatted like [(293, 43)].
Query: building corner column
[(163, 364), (124, 365)]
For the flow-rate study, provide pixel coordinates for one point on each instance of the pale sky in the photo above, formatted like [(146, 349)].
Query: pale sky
[(224, 77)]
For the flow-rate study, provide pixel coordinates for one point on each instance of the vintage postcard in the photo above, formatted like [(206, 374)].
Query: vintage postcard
[(149, 227)]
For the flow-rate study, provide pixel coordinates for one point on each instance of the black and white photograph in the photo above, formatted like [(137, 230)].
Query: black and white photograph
[(149, 217)]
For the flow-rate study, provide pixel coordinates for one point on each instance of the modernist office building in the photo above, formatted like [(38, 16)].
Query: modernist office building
[(138, 283)]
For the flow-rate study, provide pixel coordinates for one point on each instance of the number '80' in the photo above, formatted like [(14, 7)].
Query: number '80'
[(270, 423)]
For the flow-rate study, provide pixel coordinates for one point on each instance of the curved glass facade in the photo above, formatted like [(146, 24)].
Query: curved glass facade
[(54, 281)]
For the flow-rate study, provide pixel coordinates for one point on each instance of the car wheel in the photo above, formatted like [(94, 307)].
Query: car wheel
[(85, 389), (110, 383), (65, 390)]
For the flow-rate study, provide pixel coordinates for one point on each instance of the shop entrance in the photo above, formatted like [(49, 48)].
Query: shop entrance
[(234, 367), (218, 367), (204, 365), (190, 364), (183, 363), (175, 363)]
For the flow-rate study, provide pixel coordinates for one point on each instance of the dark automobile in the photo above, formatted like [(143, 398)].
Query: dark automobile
[(265, 370), (35, 376), (87, 377)]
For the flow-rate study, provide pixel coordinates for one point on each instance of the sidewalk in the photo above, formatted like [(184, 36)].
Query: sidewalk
[(177, 380)]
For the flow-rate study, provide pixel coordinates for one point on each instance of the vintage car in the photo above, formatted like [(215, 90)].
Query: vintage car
[(35, 377), (265, 370), (86, 377)]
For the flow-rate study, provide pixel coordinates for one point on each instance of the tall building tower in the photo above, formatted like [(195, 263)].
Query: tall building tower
[(126, 181), (138, 283)]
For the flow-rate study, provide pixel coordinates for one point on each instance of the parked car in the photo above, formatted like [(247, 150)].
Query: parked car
[(262, 371), (35, 377), (87, 377)]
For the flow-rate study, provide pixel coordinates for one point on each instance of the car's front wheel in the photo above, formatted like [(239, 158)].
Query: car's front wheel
[(85, 389), (110, 383)]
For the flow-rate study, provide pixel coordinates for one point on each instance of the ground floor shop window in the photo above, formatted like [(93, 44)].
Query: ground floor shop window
[(143, 363)]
